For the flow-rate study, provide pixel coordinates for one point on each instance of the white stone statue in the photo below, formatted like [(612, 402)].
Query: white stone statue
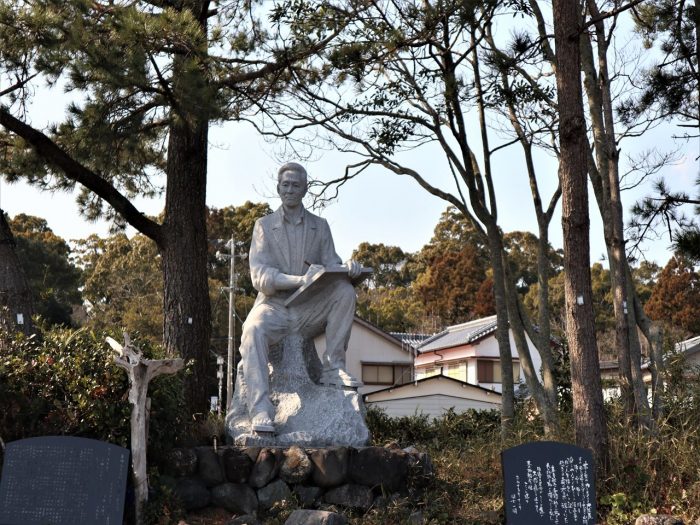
[(289, 247)]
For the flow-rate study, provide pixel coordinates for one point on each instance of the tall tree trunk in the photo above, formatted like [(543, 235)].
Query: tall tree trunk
[(606, 181), (542, 337), (654, 338), (548, 409), (589, 420), (16, 306), (186, 306), (510, 321), (543, 316), (502, 333)]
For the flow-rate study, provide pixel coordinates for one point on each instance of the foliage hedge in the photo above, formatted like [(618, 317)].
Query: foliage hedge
[(64, 382), (449, 429)]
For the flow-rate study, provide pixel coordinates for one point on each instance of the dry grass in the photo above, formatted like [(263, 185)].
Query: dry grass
[(648, 473)]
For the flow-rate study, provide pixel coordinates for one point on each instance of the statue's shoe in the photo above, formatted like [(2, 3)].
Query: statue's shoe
[(262, 422), (339, 377)]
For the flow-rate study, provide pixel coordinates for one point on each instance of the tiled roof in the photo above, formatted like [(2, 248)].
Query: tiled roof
[(413, 340), (461, 334), (691, 345), (430, 379)]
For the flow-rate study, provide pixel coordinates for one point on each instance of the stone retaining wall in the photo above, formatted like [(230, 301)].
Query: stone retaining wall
[(249, 480)]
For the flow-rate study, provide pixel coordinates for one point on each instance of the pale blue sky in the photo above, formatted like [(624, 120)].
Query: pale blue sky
[(377, 207)]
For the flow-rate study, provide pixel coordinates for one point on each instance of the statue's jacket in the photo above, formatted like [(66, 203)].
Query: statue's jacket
[(270, 253)]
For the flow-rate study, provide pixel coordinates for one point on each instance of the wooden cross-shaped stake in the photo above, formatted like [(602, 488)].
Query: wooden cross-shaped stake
[(140, 371)]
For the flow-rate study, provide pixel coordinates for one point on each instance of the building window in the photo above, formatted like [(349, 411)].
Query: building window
[(402, 374), (386, 374), (378, 374), (422, 373), (457, 371), (490, 371), (484, 371)]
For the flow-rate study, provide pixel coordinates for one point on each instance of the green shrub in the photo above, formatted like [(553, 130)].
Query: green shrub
[(64, 382), (451, 427)]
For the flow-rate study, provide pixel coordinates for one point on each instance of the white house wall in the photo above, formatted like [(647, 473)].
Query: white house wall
[(433, 405), (487, 347), (367, 346), (471, 372), (436, 386)]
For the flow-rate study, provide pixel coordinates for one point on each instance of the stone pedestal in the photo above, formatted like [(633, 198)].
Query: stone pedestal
[(307, 414), (251, 480)]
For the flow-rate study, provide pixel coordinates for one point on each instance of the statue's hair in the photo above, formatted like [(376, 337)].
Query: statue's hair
[(295, 167)]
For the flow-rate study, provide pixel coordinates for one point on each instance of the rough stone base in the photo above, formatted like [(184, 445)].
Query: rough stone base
[(252, 480), (307, 414)]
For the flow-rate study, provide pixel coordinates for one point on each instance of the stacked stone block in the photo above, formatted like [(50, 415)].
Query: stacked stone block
[(247, 480)]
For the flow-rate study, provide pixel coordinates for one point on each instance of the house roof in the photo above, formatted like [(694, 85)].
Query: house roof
[(688, 347), (438, 377), (460, 334), (413, 340)]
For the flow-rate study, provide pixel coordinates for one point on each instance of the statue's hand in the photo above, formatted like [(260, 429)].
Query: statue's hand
[(354, 268), (308, 276)]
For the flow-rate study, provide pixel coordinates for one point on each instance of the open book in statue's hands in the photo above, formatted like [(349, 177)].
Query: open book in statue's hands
[(321, 280)]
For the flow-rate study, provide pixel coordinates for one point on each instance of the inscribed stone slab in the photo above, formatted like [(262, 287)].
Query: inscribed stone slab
[(63, 480), (548, 483)]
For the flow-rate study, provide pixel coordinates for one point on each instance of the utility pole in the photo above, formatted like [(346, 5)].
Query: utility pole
[(231, 360)]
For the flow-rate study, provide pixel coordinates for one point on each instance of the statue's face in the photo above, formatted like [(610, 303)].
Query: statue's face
[(291, 188)]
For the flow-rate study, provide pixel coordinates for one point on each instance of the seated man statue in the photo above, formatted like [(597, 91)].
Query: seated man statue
[(288, 248)]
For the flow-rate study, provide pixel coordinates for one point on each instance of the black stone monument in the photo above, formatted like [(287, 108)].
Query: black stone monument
[(62, 480), (548, 483)]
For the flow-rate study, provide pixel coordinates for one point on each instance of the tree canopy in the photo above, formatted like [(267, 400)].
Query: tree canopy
[(122, 285), (48, 263), (675, 299), (146, 79)]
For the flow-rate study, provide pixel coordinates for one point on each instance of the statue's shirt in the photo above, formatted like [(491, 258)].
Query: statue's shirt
[(294, 232)]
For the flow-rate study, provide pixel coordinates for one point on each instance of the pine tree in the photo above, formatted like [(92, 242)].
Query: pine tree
[(589, 419), (670, 92), (147, 77), (672, 83)]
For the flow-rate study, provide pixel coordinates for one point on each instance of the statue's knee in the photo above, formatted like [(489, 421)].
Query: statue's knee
[(248, 336)]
